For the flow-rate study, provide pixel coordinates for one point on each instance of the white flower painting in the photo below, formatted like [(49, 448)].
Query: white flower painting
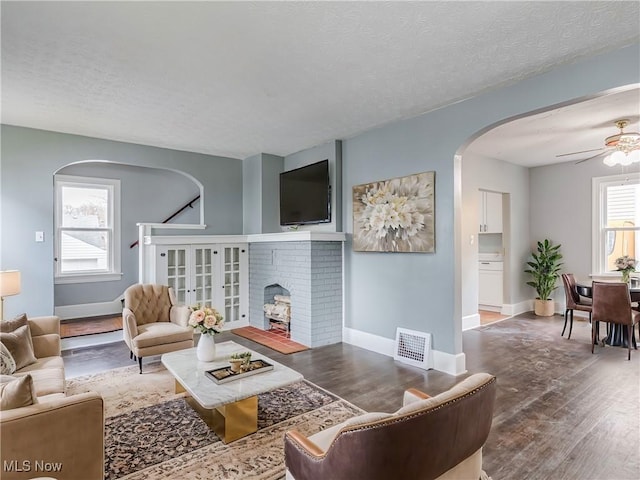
[(395, 215)]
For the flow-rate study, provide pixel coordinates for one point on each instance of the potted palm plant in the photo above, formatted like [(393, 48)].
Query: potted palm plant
[(544, 267)]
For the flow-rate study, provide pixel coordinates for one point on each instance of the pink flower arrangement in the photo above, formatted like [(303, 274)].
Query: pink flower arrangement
[(206, 319), (626, 265)]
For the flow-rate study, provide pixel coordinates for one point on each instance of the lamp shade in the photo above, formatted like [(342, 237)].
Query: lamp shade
[(9, 283)]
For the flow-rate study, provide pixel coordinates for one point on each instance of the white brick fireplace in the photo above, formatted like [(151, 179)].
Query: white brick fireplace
[(309, 266)]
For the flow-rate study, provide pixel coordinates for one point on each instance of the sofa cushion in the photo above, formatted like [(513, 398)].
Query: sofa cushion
[(8, 326), (17, 392), (159, 333), (42, 363), (465, 387), (7, 363), (18, 342), (46, 380), (324, 437)]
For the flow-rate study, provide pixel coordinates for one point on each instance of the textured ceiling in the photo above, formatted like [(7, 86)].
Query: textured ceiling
[(240, 78)]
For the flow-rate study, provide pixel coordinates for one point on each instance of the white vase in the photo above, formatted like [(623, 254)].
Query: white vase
[(206, 350)]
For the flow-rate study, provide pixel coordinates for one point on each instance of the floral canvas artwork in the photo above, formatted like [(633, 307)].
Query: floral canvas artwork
[(395, 215)]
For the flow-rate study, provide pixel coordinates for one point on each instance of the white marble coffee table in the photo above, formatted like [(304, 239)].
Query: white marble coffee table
[(230, 409)]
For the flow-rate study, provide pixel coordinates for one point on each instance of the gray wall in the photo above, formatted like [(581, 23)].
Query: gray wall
[(272, 166), (138, 185), (29, 160), (561, 211), (423, 291), (261, 193), (252, 195)]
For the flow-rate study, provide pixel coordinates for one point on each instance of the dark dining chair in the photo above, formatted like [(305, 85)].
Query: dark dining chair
[(612, 304), (574, 301)]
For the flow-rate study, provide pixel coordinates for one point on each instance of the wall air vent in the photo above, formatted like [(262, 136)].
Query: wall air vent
[(413, 348)]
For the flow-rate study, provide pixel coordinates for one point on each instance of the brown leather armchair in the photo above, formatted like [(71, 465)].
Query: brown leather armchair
[(612, 303), (153, 323), (574, 301), (429, 438)]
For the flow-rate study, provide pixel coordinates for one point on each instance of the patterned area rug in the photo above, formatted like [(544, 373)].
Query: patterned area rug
[(151, 432)]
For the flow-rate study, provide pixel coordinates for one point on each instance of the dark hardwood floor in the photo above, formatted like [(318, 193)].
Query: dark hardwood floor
[(561, 412)]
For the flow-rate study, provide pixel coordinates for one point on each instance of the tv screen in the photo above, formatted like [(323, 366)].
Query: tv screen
[(305, 195)]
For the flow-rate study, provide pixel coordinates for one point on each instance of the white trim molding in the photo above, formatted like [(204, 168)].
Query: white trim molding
[(513, 309), (111, 229), (297, 236), (86, 310), (453, 364), (470, 321), (599, 228)]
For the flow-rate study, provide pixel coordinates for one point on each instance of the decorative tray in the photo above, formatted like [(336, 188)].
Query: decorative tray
[(224, 374)]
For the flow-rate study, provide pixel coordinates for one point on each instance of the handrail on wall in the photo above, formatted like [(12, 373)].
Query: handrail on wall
[(187, 205)]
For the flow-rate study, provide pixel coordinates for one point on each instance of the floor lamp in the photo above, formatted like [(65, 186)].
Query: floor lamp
[(9, 285)]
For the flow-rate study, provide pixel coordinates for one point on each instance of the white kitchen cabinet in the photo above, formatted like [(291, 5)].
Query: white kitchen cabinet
[(205, 274), (490, 275), (490, 212)]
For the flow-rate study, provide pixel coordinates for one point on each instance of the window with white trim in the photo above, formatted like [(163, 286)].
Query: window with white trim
[(616, 220), (87, 216)]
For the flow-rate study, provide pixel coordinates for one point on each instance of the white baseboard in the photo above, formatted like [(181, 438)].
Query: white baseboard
[(517, 308), (470, 321), (90, 340), (89, 309), (449, 363), (442, 361), (489, 308), (236, 324), (369, 341), (528, 306)]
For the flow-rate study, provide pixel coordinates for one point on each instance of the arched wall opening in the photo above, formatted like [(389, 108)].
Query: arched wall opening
[(147, 195), (521, 190)]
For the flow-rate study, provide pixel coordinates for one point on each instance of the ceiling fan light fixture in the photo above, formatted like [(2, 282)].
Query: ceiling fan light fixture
[(621, 158), (623, 141), (613, 159), (626, 161)]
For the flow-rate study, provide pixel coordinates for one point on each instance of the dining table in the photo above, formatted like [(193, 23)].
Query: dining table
[(616, 335)]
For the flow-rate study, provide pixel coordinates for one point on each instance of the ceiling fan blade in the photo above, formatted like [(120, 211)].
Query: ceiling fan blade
[(589, 158), (576, 153)]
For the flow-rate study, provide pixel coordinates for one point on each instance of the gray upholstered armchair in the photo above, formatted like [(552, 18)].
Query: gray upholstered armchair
[(429, 438), (152, 322)]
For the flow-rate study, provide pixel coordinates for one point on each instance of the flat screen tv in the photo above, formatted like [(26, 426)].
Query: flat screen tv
[(305, 195)]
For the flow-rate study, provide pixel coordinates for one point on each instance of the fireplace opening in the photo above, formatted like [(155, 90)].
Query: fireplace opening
[(277, 307)]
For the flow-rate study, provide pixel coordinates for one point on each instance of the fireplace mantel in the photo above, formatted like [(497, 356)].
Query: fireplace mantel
[(297, 236)]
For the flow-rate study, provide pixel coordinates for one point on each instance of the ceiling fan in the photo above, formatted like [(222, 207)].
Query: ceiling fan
[(622, 148)]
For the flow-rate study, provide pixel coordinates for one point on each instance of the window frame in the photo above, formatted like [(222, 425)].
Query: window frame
[(114, 268), (599, 231)]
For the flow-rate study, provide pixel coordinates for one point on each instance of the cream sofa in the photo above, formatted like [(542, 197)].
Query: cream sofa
[(58, 430)]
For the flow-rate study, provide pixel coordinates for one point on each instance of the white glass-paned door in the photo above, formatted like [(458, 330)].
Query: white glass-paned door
[(232, 283), (177, 272), (203, 275)]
